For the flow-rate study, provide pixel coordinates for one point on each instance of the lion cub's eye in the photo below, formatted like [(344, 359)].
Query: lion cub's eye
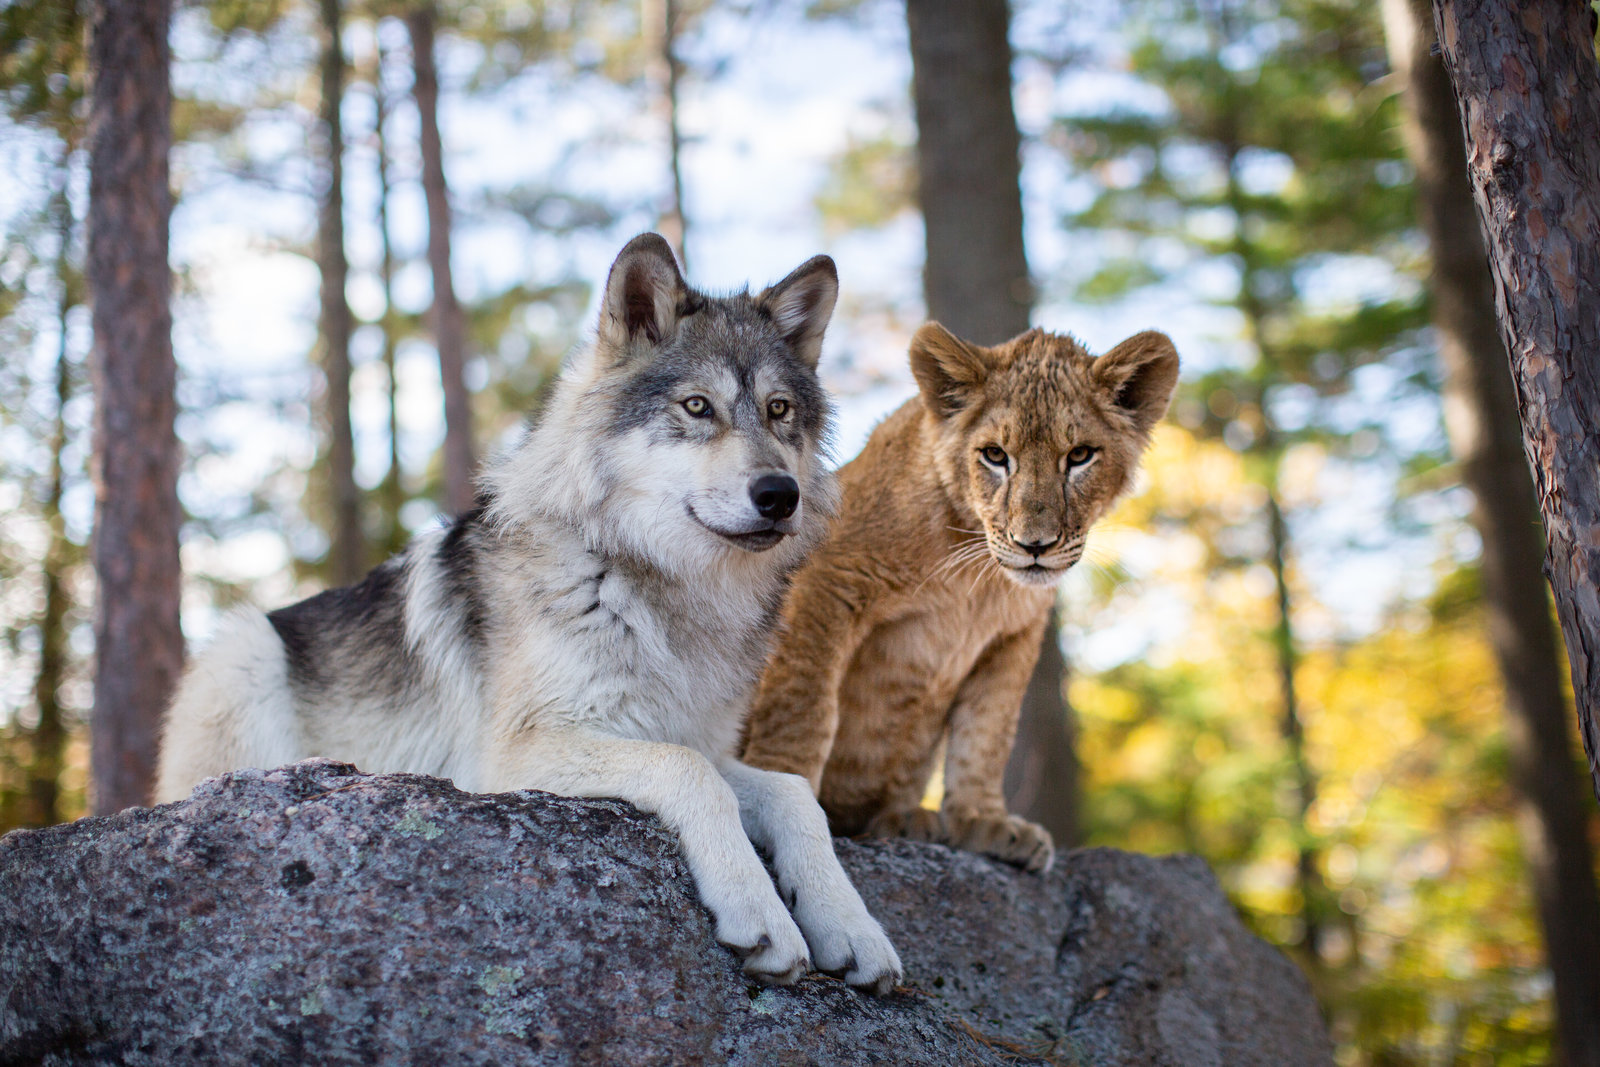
[(994, 454), (777, 407), (698, 406), (1080, 455)]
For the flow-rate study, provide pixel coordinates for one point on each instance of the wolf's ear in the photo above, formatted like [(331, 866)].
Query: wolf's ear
[(1140, 374), (644, 295), (802, 304), (948, 370)]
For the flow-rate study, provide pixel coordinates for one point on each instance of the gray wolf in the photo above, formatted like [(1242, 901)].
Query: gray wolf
[(594, 626)]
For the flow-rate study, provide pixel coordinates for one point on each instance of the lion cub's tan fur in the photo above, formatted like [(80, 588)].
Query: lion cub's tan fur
[(920, 619)]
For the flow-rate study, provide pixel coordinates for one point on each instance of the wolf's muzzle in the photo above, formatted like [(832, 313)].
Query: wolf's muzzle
[(775, 495)]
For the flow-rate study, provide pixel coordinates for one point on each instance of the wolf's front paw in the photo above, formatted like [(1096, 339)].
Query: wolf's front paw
[(764, 934), (847, 941), (1005, 837), (918, 824)]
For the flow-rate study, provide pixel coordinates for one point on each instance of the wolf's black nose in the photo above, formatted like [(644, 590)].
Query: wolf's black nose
[(775, 495)]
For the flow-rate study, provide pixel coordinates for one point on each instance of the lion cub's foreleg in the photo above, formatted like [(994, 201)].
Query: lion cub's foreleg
[(983, 724), (794, 718), (682, 787)]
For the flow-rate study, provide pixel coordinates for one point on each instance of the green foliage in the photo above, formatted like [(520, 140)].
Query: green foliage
[(42, 63), (42, 555), (870, 182), (1431, 952), (1270, 161), (1258, 164)]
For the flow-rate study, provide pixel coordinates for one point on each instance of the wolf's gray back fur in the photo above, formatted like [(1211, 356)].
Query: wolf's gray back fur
[(594, 626)]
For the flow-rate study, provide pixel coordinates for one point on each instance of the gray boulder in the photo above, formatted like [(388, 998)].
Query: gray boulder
[(313, 914)]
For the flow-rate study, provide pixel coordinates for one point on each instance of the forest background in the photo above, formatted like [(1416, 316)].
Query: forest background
[(1278, 653)]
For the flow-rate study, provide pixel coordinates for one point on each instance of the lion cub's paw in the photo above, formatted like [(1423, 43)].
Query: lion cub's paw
[(766, 936), (1005, 837), (918, 824)]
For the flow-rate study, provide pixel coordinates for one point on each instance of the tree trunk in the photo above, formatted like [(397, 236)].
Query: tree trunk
[(1313, 891), (138, 643), (968, 165), (391, 494), (1043, 775), (1269, 446), (976, 283), (347, 555), (676, 227), (49, 740), (1529, 92), (449, 325), (1481, 418)]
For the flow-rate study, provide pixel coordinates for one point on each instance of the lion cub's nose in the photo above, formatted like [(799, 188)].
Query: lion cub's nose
[(1034, 548), (775, 495)]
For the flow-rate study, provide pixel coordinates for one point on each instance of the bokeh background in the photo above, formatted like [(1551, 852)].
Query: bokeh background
[(1276, 654)]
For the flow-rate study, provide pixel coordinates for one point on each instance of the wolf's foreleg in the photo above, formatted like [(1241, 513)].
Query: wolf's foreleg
[(682, 787), (781, 815)]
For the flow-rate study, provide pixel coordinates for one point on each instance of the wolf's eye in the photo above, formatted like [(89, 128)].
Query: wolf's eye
[(777, 407), (995, 455), (698, 406), (1080, 455)]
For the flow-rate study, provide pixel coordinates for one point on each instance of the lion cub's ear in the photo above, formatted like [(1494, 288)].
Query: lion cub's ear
[(1140, 374), (948, 370), (644, 299), (802, 304)]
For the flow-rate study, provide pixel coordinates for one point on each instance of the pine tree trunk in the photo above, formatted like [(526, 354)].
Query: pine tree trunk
[(1481, 418), (1529, 93), (677, 227), (1308, 876), (49, 736), (976, 283), (968, 165), (138, 643), (1313, 891), (347, 555), (449, 325), (1042, 779), (391, 494)]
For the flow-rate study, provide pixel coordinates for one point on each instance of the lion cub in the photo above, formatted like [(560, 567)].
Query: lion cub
[(920, 618)]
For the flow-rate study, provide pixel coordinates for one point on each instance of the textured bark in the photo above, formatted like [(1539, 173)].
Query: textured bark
[(975, 279), (449, 324), (347, 555), (313, 915), (1529, 92), (1486, 437), (138, 644)]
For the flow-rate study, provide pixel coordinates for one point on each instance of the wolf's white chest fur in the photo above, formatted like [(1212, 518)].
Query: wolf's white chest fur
[(613, 645)]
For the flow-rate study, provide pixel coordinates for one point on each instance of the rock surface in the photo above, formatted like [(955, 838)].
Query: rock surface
[(316, 915)]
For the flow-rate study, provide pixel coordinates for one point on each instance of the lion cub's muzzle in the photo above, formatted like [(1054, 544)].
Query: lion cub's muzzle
[(1035, 559), (1034, 548)]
